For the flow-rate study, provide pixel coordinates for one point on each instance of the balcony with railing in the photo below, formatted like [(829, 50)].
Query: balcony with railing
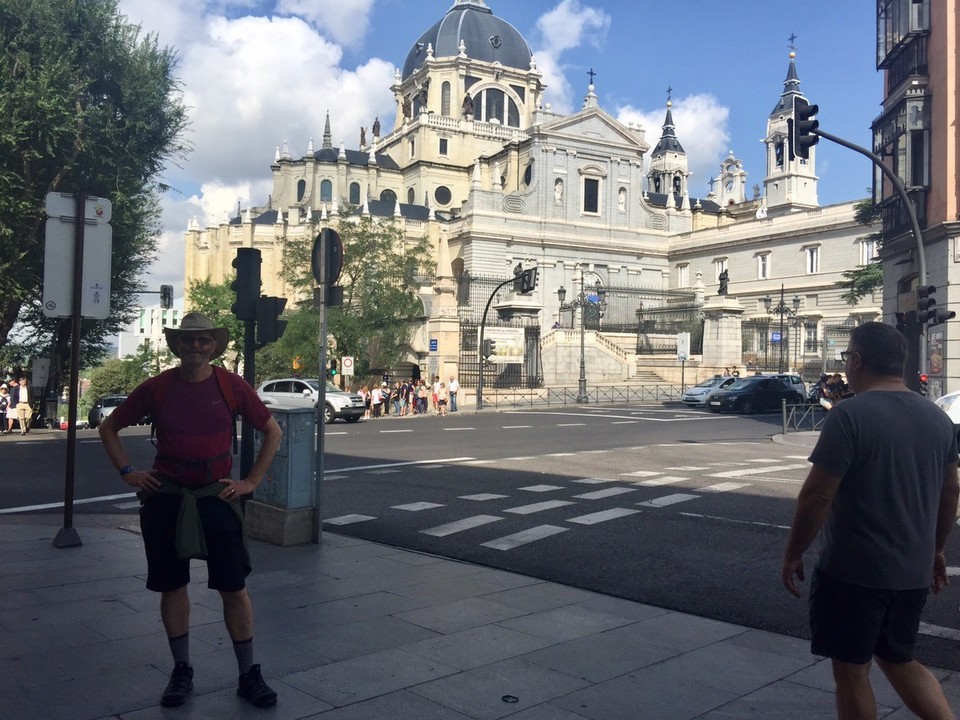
[(896, 219)]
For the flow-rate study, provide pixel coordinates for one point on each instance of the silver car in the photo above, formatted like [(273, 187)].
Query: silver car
[(305, 393), (697, 395)]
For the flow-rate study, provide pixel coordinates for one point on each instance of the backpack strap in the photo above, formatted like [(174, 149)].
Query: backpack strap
[(161, 385)]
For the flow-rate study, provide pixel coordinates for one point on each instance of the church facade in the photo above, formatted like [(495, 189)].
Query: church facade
[(478, 163)]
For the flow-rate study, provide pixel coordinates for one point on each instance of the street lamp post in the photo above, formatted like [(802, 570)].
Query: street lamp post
[(582, 302), (784, 311)]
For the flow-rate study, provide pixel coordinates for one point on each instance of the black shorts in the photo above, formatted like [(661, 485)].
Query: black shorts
[(852, 623), (226, 558)]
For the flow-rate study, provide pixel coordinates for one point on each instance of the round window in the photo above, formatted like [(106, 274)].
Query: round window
[(528, 175), (442, 195)]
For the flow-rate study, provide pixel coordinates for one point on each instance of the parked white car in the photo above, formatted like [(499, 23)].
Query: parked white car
[(305, 392), (697, 395), (950, 404)]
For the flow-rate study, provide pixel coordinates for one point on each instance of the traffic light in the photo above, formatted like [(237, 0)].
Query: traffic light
[(804, 124), (166, 296), (488, 347), (333, 368), (927, 314), (269, 325), (247, 284), (901, 322), (923, 384), (528, 281)]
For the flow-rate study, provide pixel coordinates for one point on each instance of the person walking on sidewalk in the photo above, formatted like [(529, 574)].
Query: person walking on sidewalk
[(189, 503), (20, 400), (454, 390), (884, 487)]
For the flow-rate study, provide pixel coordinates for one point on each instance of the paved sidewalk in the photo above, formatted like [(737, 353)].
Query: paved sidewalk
[(353, 630)]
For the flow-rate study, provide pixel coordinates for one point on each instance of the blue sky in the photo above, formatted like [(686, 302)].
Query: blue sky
[(256, 73)]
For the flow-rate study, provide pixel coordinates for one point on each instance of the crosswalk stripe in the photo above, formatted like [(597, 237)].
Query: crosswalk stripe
[(559, 454), (518, 457), (756, 471), (482, 497), (479, 462), (127, 506), (541, 488), (334, 477), (668, 500), (602, 516), (723, 487), (538, 507), (595, 481), (796, 457), (460, 525), (384, 471), (686, 468), (656, 482), (642, 473), (605, 493), (417, 506), (938, 631), (348, 519), (510, 542), (764, 460)]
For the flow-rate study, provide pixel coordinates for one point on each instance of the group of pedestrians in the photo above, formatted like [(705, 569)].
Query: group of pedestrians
[(411, 397), (15, 406)]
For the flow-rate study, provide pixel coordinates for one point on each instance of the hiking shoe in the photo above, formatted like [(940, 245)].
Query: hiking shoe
[(254, 690), (181, 683)]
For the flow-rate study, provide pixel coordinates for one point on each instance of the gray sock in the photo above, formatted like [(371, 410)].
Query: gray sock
[(180, 647), (244, 653)]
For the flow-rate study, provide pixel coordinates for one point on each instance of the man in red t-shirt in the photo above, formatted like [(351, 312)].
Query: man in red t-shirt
[(194, 408)]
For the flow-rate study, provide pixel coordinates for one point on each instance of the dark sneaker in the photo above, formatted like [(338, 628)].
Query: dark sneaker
[(181, 683), (254, 690)]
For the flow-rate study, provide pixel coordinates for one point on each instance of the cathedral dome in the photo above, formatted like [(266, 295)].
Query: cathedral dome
[(487, 38)]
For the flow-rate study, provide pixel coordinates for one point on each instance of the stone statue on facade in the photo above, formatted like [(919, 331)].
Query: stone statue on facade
[(363, 137), (467, 108), (724, 282), (376, 127)]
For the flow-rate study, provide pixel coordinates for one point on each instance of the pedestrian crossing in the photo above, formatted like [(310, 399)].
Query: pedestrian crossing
[(568, 504)]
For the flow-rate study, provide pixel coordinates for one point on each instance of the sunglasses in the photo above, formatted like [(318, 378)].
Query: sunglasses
[(191, 339)]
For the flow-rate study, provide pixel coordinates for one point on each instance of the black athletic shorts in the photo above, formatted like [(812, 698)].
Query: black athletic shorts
[(226, 564), (852, 623)]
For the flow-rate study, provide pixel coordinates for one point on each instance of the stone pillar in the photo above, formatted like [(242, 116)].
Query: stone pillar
[(722, 334)]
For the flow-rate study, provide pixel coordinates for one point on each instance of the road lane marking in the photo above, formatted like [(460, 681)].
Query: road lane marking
[(334, 477), (735, 522), (459, 429), (387, 432), (398, 464), (938, 631), (642, 473), (593, 452), (595, 481), (460, 525), (328, 433), (481, 497), (514, 427), (797, 457), (348, 519), (519, 457), (723, 487), (128, 506), (668, 500), (417, 506), (605, 493), (686, 468), (656, 482), (384, 471), (479, 462), (569, 424), (51, 506), (756, 471), (538, 507), (602, 516), (541, 488), (431, 467), (625, 422), (526, 536), (559, 454)]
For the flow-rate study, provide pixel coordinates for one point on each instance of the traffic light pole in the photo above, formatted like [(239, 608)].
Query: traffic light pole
[(483, 326), (250, 375), (915, 225)]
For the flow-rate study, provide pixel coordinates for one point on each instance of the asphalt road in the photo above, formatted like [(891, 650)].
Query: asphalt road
[(673, 507)]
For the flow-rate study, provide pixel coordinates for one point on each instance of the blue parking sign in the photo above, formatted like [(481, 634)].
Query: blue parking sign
[(433, 344)]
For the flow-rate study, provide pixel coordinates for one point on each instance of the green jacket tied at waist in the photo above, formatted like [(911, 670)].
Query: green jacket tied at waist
[(191, 542)]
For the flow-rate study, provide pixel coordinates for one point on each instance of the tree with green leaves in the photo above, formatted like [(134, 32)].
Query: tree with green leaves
[(382, 274), (864, 279), (87, 104)]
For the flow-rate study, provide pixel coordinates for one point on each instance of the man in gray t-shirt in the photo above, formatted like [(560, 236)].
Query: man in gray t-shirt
[(884, 488)]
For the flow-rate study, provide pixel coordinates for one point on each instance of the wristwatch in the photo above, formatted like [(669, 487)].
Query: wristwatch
[(126, 470)]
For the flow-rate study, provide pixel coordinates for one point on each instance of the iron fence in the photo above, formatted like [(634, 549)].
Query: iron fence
[(617, 394)]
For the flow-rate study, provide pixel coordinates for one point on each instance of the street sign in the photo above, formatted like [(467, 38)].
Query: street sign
[(346, 365), (332, 245), (683, 346), (775, 336), (433, 345), (58, 252), (57, 205)]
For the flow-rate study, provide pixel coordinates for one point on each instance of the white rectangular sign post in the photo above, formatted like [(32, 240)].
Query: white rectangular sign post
[(346, 365), (58, 256), (683, 354)]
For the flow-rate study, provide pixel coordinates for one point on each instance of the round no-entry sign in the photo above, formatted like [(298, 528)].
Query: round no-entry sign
[(346, 364)]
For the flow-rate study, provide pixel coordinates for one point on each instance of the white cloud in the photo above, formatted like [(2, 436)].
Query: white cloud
[(702, 129), (243, 99), (568, 26), (346, 21)]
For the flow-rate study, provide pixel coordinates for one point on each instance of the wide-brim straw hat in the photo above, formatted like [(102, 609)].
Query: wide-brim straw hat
[(194, 322)]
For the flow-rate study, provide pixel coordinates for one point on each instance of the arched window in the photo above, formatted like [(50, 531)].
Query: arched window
[(493, 105), (301, 189), (513, 115), (410, 196), (388, 195), (354, 193), (445, 99), (326, 191)]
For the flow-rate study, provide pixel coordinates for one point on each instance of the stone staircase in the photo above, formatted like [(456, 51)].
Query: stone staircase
[(645, 375)]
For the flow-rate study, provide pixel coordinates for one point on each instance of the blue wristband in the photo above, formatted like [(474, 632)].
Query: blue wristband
[(126, 470)]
